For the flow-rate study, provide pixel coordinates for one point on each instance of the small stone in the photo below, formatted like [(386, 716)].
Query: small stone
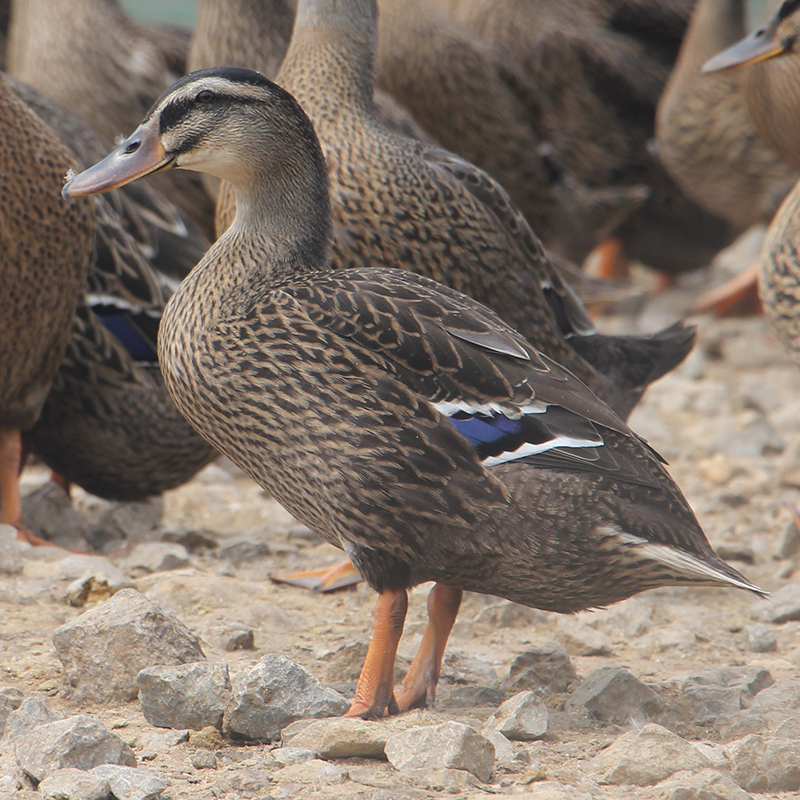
[(343, 664), (506, 614), (647, 756), (275, 692), (612, 694), (451, 745), (105, 648), (789, 542), (74, 784), (343, 738), (708, 784), (721, 690), (765, 763), (48, 513), (131, 784), (293, 755), (93, 589), (31, 713), (238, 637), (10, 700), (783, 695), (440, 781), (551, 790), (80, 741), (545, 668), (583, 640), (245, 550), (521, 718), (122, 523), (149, 557), (784, 605), (185, 696), (10, 551), (474, 697), (204, 759), (10, 784), (314, 772), (193, 539), (208, 739), (760, 639), (504, 756)]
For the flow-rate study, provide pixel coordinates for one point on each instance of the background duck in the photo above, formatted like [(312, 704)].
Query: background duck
[(600, 67), (107, 68), (45, 247), (401, 420), (108, 424)]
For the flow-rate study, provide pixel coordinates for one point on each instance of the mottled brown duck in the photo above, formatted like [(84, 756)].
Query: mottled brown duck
[(91, 57), (45, 247), (600, 67), (108, 424), (398, 418), (476, 101)]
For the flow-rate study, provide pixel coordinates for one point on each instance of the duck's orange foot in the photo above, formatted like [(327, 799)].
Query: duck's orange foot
[(737, 297), (608, 261), (323, 579), (24, 535)]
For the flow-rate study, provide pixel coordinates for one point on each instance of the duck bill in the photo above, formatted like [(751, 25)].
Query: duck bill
[(139, 155), (759, 46)]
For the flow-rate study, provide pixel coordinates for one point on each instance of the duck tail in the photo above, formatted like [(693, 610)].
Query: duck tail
[(632, 363)]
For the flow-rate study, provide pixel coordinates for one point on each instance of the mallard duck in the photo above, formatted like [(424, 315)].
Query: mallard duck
[(705, 136), (45, 247), (400, 419), (108, 424), (407, 204), (600, 67), (91, 57), (476, 101)]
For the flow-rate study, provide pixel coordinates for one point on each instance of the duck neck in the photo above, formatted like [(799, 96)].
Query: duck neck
[(715, 25), (331, 58)]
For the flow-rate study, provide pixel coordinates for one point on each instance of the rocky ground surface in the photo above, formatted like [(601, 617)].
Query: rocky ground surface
[(170, 666)]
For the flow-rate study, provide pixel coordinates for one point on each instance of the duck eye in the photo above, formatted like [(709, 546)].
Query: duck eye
[(206, 96)]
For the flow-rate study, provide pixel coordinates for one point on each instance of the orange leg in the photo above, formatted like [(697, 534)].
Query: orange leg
[(608, 261), (10, 499), (375, 683), (736, 297), (324, 579), (419, 685), (60, 480)]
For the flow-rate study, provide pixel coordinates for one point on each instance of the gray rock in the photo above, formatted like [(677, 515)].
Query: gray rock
[(583, 640), (647, 756), (204, 759), (122, 523), (314, 772), (783, 695), (105, 648), (74, 784), (149, 557), (551, 790), (91, 589), (238, 637), (31, 713), (439, 781), (10, 551), (521, 718), (451, 745), (343, 664), (275, 692), (784, 605), (506, 614), (80, 741), (343, 738), (760, 639), (612, 694), (504, 756), (721, 690), (789, 542), (293, 755), (765, 763), (49, 513), (131, 784), (10, 700), (546, 668), (244, 550), (472, 697), (708, 784), (185, 696)]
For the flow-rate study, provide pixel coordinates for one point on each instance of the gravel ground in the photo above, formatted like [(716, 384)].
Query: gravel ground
[(728, 421)]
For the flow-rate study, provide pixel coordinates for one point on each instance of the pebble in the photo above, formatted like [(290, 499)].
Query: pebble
[(707, 784), (440, 781), (121, 523), (105, 648), (207, 739), (784, 605), (10, 551), (763, 763), (238, 637), (760, 639), (77, 566), (128, 783), (185, 696), (647, 756), (244, 550), (506, 614), (583, 640), (275, 692), (149, 557), (10, 700), (343, 665), (74, 784), (48, 513), (546, 668), (713, 692), (451, 745), (80, 741), (612, 694), (93, 589), (204, 759), (522, 717), (343, 738), (315, 772), (294, 755), (782, 695), (31, 712)]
